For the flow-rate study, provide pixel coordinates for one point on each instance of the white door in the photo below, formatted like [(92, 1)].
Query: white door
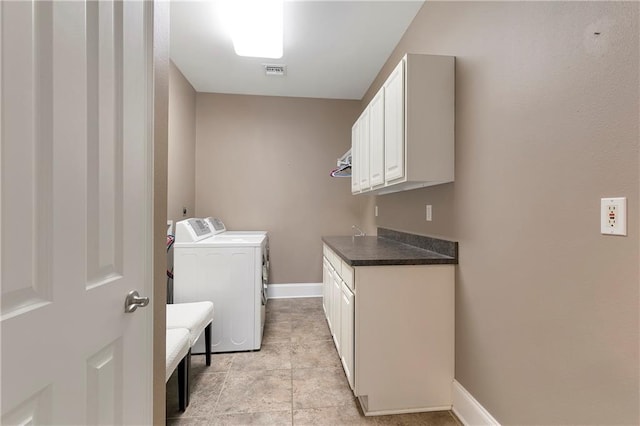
[(75, 212)]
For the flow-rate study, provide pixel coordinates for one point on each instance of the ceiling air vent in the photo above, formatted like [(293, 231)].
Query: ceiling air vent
[(275, 69)]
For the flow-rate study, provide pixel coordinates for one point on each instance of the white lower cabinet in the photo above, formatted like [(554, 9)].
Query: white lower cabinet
[(394, 330), (339, 308)]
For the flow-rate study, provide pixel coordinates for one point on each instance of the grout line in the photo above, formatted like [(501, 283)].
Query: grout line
[(224, 384), (291, 371)]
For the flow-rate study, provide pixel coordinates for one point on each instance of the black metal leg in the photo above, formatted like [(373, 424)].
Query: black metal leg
[(188, 374), (207, 344), (183, 377)]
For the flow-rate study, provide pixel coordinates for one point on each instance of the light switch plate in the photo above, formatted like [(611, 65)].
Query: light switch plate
[(429, 213), (613, 216)]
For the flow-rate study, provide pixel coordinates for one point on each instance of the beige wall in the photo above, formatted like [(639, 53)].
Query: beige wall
[(546, 125), (181, 191), (263, 163)]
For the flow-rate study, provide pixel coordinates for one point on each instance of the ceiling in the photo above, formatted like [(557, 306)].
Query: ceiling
[(332, 49)]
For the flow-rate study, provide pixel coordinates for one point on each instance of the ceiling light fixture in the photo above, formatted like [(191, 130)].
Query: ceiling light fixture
[(256, 27)]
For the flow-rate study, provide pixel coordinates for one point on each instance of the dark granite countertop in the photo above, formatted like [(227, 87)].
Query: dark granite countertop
[(393, 248)]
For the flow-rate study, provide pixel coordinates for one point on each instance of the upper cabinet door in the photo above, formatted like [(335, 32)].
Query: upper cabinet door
[(363, 150), (376, 140), (355, 158), (394, 146)]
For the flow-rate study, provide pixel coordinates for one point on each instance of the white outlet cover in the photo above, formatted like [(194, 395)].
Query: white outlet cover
[(613, 216), (429, 212)]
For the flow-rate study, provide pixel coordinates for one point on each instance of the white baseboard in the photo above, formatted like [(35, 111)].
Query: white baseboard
[(469, 410), (287, 291)]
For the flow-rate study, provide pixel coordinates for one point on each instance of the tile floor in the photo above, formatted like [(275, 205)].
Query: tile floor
[(295, 379)]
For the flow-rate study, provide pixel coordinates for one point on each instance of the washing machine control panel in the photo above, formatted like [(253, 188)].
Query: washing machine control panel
[(216, 224), (191, 230), (200, 227)]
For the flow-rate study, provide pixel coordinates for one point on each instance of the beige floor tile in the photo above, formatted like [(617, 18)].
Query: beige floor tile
[(434, 418), (314, 354), (271, 418), (277, 331), (278, 316), (307, 305), (344, 415), (219, 363), (188, 421), (207, 386), (205, 390), (312, 316), (295, 309), (255, 391), (281, 305), (271, 356), (320, 387), (307, 330)]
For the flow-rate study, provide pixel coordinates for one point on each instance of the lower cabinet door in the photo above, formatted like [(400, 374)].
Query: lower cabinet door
[(347, 332), (327, 283), (336, 311)]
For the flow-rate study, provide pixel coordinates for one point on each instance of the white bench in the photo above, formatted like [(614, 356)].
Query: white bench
[(177, 355), (196, 317)]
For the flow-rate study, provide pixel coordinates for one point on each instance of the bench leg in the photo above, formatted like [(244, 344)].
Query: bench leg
[(183, 382), (207, 344), (188, 373)]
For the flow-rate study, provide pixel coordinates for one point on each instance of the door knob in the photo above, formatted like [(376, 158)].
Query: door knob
[(134, 301)]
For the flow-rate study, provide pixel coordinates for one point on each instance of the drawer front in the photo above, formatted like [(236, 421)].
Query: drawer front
[(335, 261), (347, 275)]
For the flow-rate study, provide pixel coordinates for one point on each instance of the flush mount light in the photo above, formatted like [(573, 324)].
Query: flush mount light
[(256, 27)]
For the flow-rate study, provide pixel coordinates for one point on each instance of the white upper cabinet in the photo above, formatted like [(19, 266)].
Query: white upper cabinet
[(376, 140), (418, 121)]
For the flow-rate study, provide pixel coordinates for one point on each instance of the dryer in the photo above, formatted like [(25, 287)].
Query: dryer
[(228, 268)]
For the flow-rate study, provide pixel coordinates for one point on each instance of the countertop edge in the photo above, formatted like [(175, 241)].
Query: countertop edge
[(442, 259)]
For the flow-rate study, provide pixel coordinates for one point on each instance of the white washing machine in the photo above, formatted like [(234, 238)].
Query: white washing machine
[(229, 268)]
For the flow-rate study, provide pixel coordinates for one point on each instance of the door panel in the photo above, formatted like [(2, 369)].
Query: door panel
[(27, 254), (394, 125), (376, 139), (104, 141), (347, 309), (104, 385), (363, 150), (75, 239), (355, 157)]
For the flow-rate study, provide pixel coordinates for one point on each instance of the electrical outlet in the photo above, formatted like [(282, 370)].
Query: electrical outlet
[(429, 212), (376, 211), (184, 212), (613, 216)]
